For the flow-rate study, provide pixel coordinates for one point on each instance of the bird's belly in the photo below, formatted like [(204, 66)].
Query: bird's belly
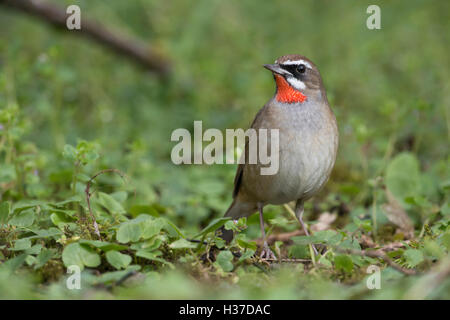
[(305, 163)]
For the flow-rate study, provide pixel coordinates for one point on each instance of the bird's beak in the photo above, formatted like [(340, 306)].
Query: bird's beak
[(276, 68)]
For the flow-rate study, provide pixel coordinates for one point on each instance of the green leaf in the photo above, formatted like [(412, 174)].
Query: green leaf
[(147, 209), (110, 203), (172, 229), (114, 276), (325, 262), (69, 152), (445, 240), (413, 257), (44, 256), (21, 244), (350, 244), (59, 218), (344, 263), (24, 218), (153, 256), (103, 245), (224, 260), (72, 199), (248, 254), (46, 233), (144, 227), (302, 240), (151, 226), (445, 210), (36, 249), (230, 225), (403, 177), (129, 231), (14, 263), (22, 205), (433, 249), (77, 254), (325, 236), (118, 260), (247, 244), (214, 225), (148, 245), (182, 244), (219, 242), (148, 255), (30, 260), (299, 251), (5, 208)]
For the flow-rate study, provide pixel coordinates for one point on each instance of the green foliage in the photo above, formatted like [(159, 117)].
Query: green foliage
[(344, 263), (80, 255), (118, 260), (403, 176), (413, 257), (4, 212), (69, 109), (224, 260), (141, 228)]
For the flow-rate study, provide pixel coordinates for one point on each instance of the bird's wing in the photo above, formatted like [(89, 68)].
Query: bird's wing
[(240, 169)]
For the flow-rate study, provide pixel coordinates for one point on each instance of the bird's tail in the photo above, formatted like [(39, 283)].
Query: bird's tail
[(237, 209)]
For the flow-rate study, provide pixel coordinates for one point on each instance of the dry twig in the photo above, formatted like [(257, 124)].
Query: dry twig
[(56, 16)]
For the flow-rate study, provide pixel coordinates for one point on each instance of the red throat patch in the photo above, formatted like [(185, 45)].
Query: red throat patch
[(287, 94)]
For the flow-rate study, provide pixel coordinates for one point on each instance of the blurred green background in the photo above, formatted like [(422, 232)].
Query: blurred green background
[(389, 89)]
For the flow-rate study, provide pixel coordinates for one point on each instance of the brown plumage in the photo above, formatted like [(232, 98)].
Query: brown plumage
[(308, 143)]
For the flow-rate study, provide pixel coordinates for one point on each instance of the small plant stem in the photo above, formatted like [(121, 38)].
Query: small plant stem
[(289, 209), (374, 212), (89, 194), (422, 232), (312, 254), (311, 250), (75, 177), (76, 205)]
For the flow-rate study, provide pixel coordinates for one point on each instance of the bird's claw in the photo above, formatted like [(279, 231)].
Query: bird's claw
[(266, 253)]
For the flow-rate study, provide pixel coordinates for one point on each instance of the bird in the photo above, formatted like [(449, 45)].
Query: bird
[(308, 144)]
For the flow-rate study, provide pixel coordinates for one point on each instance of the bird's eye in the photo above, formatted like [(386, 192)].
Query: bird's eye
[(301, 68)]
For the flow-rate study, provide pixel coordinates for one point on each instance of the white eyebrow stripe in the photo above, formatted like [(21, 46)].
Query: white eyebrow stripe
[(289, 62)]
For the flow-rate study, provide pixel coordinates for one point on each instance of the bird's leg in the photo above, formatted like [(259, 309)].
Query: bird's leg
[(299, 210), (266, 253)]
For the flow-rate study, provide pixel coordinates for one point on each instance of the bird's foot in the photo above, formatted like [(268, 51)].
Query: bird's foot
[(266, 253)]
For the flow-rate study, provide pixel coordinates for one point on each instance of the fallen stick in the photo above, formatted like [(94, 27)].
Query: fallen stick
[(133, 49)]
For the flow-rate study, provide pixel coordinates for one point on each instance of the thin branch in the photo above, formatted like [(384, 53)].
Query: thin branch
[(289, 260), (56, 16)]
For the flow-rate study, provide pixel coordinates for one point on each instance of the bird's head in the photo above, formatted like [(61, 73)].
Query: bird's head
[(297, 78)]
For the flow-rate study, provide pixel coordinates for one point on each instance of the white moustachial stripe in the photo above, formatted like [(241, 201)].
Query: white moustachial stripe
[(297, 84)]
